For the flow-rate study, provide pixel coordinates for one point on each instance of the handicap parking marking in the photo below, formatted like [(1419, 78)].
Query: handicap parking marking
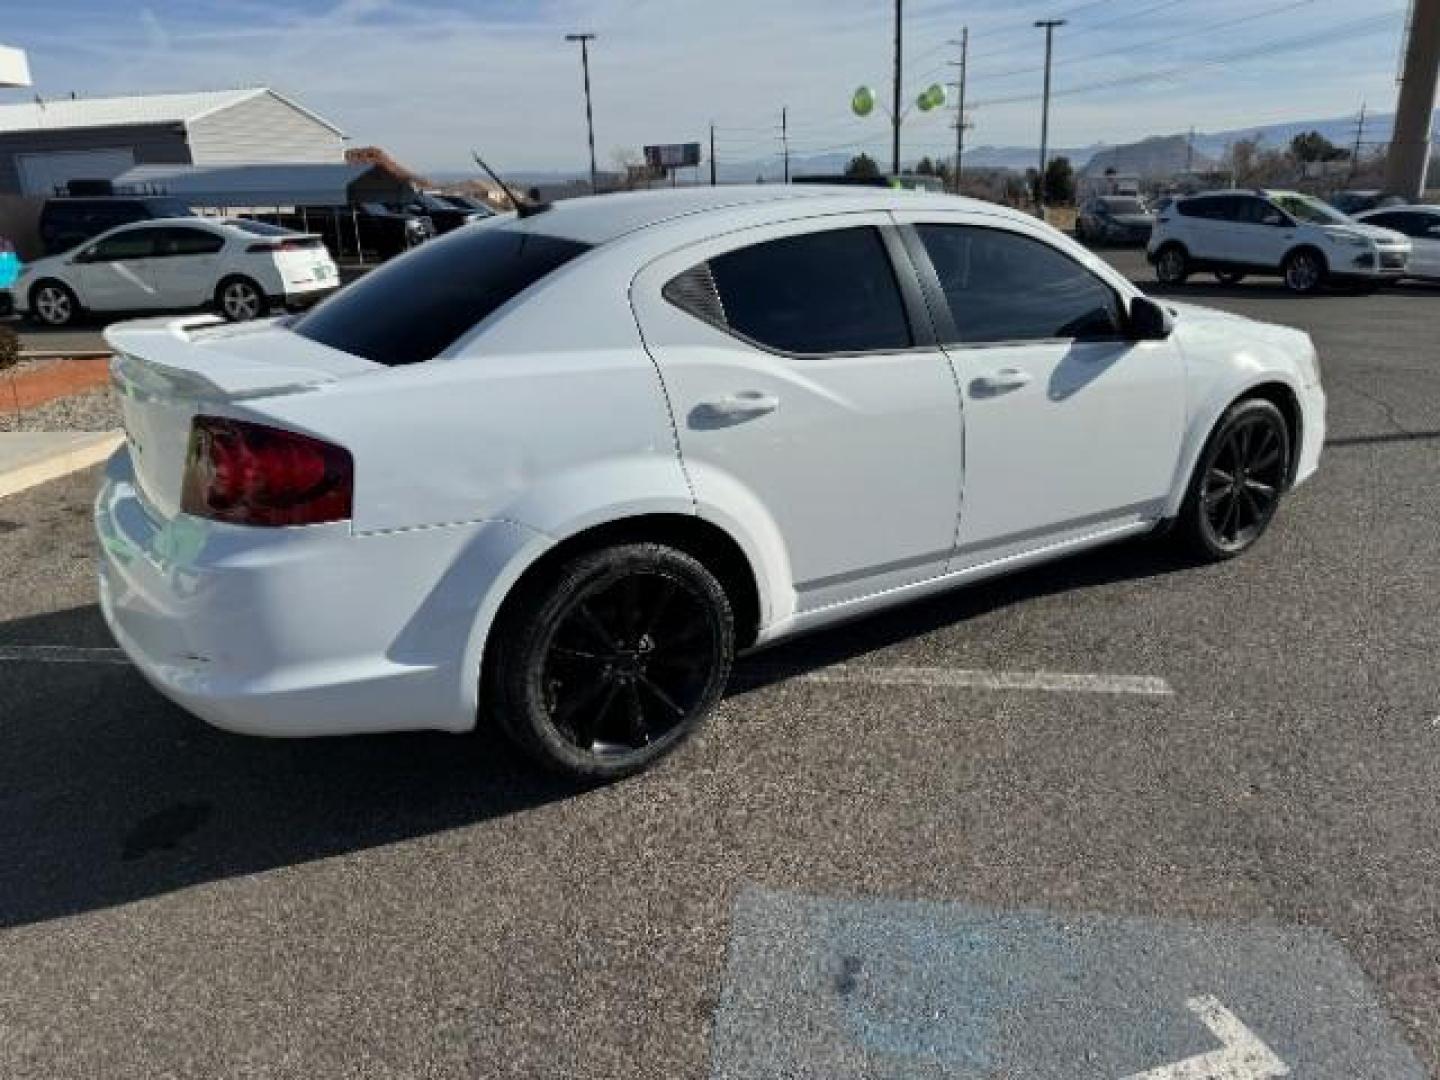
[(925, 991)]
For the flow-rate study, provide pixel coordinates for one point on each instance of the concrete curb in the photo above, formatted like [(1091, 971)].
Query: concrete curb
[(32, 466)]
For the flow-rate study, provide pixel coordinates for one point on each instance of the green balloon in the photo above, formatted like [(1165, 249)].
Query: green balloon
[(924, 102), (863, 101)]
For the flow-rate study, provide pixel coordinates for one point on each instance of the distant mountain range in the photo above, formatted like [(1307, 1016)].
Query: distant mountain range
[(1155, 155)]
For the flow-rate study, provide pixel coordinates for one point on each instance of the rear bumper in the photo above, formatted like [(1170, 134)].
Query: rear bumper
[(298, 297), (299, 632)]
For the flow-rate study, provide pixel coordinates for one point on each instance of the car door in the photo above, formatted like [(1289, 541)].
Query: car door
[(807, 392), (1071, 428), (186, 266), (1264, 233), (117, 272), (1203, 225)]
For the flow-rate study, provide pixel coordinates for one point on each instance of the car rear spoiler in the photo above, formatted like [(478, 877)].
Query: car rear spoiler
[(203, 356)]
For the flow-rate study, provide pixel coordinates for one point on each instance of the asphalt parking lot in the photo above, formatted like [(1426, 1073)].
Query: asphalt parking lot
[(906, 848)]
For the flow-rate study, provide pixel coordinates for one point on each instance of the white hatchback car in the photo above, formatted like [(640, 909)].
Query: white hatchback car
[(241, 268), (1303, 240), (1421, 224), (556, 470)]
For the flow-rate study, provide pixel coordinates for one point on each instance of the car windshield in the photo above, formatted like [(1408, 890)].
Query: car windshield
[(1312, 210), (463, 202), (162, 208), (414, 307), (430, 202), (1123, 206)]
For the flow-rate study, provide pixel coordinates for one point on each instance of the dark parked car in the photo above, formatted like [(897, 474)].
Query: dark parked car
[(379, 231), (443, 214), (1354, 202), (68, 221), (469, 202), (1114, 219)]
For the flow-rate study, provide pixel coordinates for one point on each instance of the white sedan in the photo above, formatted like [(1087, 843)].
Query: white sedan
[(240, 268), (1422, 225), (556, 470)]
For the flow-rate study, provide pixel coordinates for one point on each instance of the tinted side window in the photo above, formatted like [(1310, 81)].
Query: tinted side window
[(415, 306), (134, 244), (1208, 209), (1252, 211), (187, 242), (1002, 286), (821, 292)]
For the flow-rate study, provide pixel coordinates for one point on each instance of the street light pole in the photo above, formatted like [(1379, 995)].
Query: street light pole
[(895, 108), (960, 113), (1048, 25), (584, 40)]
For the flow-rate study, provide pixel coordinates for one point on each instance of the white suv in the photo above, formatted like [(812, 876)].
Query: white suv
[(1305, 241)]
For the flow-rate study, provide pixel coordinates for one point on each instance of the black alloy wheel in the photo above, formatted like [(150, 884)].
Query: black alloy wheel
[(615, 662), (1240, 480)]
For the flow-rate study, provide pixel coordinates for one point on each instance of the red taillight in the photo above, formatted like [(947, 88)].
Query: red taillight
[(250, 474)]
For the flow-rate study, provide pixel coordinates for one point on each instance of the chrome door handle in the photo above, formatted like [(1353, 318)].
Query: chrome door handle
[(743, 405), (998, 382)]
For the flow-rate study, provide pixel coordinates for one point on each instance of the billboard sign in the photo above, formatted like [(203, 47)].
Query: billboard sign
[(673, 155)]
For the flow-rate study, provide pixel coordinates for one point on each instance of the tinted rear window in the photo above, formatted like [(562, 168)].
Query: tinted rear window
[(414, 307)]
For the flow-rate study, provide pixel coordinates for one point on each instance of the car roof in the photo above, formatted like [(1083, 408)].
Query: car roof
[(598, 219)]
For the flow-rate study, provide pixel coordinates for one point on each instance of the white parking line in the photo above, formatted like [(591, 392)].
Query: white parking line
[(1058, 682), (59, 654)]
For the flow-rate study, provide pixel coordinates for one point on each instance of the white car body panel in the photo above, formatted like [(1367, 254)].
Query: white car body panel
[(568, 409), (1424, 248), (179, 282)]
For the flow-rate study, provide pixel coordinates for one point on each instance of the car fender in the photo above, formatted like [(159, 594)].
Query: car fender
[(1212, 403)]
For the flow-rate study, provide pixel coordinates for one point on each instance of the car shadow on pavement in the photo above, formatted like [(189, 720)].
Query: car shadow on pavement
[(1131, 560), (110, 794)]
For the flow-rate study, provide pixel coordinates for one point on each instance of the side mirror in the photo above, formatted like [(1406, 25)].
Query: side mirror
[(1149, 321)]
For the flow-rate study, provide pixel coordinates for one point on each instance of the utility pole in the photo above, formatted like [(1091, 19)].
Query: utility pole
[(584, 40), (895, 108), (785, 139), (1048, 25), (960, 114), (712, 153), (1190, 152), (1409, 156), (1359, 142)]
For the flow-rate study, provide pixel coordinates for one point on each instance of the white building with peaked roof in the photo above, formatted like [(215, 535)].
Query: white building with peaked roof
[(44, 144)]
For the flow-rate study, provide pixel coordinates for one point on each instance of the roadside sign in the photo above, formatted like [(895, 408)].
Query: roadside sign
[(842, 989), (673, 155)]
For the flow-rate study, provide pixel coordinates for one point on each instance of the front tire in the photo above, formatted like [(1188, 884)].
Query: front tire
[(1172, 265), (52, 303), (1304, 271), (604, 667), (239, 299), (1238, 481)]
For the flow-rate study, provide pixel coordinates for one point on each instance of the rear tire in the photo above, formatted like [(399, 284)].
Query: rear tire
[(604, 667), (1172, 265), (53, 303), (1238, 482), (239, 299)]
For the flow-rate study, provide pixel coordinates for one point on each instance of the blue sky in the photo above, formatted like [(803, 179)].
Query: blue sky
[(429, 79)]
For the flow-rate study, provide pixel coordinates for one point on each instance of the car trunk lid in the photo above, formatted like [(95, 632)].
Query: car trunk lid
[(167, 371)]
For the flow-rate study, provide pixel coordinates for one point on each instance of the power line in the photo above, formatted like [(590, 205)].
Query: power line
[(1163, 39), (1368, 24)]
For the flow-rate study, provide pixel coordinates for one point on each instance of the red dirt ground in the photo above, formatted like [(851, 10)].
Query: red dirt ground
[(45, 380)]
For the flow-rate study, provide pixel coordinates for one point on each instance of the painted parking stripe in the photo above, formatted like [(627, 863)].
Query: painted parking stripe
[(59, 654), (939, 678)]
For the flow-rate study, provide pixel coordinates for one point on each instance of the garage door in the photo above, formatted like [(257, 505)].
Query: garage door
[(41, 174)]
